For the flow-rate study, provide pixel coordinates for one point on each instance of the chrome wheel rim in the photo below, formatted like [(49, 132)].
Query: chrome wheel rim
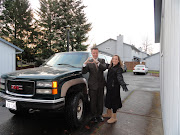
[(79, 109)]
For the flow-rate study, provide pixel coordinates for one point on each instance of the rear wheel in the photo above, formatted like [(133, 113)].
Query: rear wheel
[(134, 73), (74, 110)]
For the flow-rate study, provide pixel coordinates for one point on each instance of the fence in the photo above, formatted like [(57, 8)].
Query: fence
[(131, 65)]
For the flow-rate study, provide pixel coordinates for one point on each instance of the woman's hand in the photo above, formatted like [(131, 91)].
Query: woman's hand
[(125, 88)]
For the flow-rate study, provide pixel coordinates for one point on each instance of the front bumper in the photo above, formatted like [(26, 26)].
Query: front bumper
[(35, 103), (139, 71)]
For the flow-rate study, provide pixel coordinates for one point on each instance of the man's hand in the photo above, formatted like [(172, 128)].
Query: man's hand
[(95, 61), (88, 60)]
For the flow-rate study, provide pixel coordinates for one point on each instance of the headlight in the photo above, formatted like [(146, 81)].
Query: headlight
[(52, 85), (44, 84), (44, 91), (2, 80)]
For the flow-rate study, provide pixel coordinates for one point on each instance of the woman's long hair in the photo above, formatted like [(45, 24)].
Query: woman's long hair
[(120, 62)]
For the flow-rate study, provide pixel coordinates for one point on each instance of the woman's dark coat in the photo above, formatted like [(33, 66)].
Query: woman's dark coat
[(114, 80)]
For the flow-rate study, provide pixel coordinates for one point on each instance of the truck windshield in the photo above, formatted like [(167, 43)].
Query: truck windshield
[(68, 59)]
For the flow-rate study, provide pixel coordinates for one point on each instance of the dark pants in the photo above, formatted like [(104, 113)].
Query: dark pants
[(96, 101)]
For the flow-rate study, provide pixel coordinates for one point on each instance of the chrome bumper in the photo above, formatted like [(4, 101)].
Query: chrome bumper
[(8, 97)]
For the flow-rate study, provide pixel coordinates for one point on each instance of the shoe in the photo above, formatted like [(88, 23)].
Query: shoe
[(112, 119), (107, 114), (94, 119), (100, 119)]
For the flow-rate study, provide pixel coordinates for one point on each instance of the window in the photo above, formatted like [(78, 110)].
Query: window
[(108, 48)]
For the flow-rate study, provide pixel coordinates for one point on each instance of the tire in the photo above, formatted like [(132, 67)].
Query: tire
[(20, 111), (74, 110), (134, 73)]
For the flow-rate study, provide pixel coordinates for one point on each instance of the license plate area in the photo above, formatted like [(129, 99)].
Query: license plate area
[(11, 104)]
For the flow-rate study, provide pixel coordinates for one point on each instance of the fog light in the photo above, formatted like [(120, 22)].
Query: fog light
[(44, 91)]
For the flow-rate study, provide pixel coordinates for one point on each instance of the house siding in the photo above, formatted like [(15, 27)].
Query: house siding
[(7, 58), (153, 62), (170, 66), (125, 51), (108, 46), (127, 55)]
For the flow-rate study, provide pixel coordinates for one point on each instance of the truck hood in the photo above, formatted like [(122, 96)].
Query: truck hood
[(44, 72)]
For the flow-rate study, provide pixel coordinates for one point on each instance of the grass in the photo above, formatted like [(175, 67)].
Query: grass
[(23, 65), (155, 72)]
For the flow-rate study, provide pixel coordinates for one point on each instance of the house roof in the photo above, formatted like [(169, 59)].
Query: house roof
[(157, 19), (10, 44), (133, 47), (151, 55), (106, 53), (105, 41)]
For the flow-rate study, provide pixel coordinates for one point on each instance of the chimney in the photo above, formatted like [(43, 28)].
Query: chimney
[(120, 46)]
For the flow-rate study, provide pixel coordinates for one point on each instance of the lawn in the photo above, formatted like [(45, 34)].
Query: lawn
[(154, 72)]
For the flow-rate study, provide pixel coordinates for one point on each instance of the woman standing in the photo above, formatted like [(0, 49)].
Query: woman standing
[(114, 80)]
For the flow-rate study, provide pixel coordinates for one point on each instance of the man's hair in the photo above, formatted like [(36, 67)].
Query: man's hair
[(94, 48)]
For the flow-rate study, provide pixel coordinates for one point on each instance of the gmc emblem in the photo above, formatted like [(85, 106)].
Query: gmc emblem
[(16, 87)]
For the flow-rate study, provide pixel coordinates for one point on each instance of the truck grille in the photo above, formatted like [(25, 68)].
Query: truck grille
[(24, 88)]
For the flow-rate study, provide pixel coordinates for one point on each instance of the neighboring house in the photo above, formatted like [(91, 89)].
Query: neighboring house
[(153, 61), (8, 53), (167, 33), (126, 52)]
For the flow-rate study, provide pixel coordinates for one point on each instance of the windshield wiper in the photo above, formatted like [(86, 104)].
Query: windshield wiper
[(66, 64)]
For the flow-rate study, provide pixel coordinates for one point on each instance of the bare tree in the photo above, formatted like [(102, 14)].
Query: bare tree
[(147, 46)]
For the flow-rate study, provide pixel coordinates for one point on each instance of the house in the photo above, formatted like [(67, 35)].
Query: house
[(167, 33), (153, 61), (8, 53), (127, 53)]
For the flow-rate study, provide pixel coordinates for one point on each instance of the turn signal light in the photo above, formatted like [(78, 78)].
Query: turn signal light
[(54, 91), (54, 84)]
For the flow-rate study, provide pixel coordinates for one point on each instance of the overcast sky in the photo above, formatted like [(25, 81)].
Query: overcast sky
[(134, 19)]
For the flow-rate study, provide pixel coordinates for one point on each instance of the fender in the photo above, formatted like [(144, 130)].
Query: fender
[(70, 83)]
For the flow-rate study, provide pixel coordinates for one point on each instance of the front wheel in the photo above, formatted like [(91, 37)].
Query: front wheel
[(74, 110)]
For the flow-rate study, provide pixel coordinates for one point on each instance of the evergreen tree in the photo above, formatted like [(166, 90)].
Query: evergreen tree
[(16, 24), (54, 16)]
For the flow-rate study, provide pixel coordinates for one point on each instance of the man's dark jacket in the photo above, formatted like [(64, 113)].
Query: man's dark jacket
[(96, 77)]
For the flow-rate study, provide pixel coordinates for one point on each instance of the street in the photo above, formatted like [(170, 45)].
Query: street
[(44, 123)]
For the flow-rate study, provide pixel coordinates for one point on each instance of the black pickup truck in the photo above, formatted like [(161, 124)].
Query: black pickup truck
[(56, 85)]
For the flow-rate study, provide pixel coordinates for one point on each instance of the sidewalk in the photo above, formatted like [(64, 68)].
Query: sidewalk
[(140, 115)]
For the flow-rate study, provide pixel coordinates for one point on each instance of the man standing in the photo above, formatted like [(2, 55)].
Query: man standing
[(96, 82)]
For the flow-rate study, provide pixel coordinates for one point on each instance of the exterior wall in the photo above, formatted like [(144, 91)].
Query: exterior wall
[(108, 46), (7, 59), (120, 46), (135, 53), (153, 62), (144, 55), (127, 53), (170, 66)]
